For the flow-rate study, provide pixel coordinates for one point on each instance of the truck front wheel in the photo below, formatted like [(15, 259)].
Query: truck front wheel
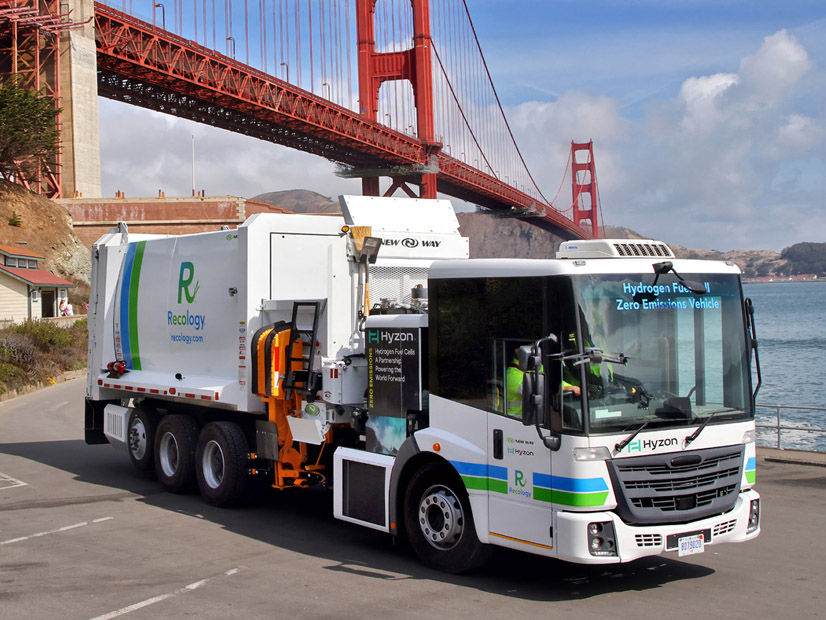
[(175, 443), (221, 463), (141, 438), (439, 523)]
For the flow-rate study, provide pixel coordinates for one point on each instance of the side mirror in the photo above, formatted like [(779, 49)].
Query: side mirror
[(529, 358), (533, 389)]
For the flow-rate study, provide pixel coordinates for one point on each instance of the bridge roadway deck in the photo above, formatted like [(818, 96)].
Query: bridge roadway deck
[(83, 535)]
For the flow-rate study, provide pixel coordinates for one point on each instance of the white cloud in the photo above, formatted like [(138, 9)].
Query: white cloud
[(777, 66), (702, 98), (799, 134)]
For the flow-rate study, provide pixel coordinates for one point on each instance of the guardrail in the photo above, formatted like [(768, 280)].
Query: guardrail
[(778, 427)]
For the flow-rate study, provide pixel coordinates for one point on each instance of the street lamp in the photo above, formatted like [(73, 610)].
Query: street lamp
[(163, 14), (284, 64), (231, 40)]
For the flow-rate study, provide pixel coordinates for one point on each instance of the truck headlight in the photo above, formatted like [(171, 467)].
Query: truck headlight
[(754, 516), (592, 454), (749, 437), (601, 539)]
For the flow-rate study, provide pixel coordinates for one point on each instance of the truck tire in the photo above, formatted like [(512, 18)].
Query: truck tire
[(439, 522), (140, 438), (175, 442), (221, 463)]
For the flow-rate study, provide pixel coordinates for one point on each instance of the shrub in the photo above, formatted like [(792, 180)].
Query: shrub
[(11, 377), (44, 333), (38, 351), (19, 349)]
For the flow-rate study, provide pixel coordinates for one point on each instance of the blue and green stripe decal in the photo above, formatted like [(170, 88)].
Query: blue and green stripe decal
[(751, 470), (129, 305), (482, 477), (580, 492)]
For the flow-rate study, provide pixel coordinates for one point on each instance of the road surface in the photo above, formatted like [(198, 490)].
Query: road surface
[(83, 535)]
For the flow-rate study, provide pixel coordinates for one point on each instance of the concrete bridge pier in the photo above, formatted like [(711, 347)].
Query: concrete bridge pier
[(79, 99)]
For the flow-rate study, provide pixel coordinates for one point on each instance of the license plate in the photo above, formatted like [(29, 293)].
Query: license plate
[(689, 545)]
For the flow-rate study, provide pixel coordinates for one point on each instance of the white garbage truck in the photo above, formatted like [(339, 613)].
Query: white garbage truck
[(597, 407)]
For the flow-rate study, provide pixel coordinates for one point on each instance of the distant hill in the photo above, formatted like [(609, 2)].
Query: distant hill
[(300, 201), (45, 228)]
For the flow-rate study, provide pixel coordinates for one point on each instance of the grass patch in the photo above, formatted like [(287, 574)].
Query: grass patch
[(35, 352)]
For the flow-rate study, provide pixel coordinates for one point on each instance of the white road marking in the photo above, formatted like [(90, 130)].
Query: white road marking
[(7, 482), (65, 528), (157, 599)]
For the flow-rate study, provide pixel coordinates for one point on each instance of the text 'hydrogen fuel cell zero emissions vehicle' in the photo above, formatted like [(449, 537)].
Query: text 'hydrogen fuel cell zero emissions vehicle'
[(596, 407)]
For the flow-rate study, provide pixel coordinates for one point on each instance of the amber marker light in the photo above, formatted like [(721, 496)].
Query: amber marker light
[(437, 446), (345, 229)]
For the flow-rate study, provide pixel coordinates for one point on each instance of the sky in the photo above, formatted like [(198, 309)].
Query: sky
[(708, 118)]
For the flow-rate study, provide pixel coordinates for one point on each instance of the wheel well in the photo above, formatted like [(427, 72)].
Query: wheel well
[(411, 467)]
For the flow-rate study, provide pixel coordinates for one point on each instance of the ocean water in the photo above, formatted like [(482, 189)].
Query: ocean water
[(791, 330)]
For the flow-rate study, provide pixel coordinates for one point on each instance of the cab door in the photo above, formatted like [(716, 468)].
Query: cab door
[(518, 513)]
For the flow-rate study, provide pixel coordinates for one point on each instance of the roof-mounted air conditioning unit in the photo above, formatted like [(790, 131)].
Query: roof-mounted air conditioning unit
[(614, 248)]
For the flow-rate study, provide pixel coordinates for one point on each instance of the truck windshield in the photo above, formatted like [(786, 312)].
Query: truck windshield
[(686, 353)]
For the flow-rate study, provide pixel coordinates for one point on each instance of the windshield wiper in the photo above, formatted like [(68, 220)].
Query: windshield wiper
[(592, 355), (618, 447), (700, 428)]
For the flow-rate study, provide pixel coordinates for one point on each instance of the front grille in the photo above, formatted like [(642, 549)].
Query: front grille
[(666, 470), (698, 484), (683, 502), (682, 483)]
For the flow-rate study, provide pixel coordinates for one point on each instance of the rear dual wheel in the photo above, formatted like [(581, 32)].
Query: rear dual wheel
[(175, 443), (221, 463)]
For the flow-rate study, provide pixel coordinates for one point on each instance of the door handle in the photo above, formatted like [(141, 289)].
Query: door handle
[(497, 443)]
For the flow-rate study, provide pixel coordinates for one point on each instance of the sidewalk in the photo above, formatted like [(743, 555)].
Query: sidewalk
[(798, 457)]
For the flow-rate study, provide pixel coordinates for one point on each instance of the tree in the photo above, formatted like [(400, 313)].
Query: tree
[(29, 136), (806, 257)]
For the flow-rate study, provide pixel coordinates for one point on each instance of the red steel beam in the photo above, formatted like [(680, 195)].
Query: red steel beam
[(153, 68)]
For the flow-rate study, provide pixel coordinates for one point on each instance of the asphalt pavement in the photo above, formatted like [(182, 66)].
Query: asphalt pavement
[(85, 536)]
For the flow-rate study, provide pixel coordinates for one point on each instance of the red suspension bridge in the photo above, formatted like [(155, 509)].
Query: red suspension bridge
[(395, 89)]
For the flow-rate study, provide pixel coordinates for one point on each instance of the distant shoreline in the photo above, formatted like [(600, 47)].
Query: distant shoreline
[(780, 280)]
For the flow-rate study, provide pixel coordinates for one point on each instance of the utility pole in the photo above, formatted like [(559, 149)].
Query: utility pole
[(193, 164)]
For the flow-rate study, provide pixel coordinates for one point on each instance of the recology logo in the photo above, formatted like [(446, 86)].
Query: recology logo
[(178, 318), (185, 278)]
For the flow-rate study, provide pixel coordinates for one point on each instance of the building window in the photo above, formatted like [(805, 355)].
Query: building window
[(32, 264), (11, 262)]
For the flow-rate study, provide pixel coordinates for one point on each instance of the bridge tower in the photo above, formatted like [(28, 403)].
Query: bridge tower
[(584, 188), (79, 100), (413, 65), (50, 46)]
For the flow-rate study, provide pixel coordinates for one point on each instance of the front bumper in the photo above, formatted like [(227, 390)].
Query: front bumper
[(637, 541)]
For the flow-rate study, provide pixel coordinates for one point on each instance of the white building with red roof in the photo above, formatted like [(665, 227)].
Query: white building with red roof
[(26, 290)]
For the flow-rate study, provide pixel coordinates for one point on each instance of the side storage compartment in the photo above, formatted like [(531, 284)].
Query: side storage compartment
[(362, 488)]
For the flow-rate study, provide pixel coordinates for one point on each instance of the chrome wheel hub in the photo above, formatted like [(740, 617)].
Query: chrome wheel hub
[(441, 518)]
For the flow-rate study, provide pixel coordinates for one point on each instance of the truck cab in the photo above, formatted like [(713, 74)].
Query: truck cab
[(632, 432)]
